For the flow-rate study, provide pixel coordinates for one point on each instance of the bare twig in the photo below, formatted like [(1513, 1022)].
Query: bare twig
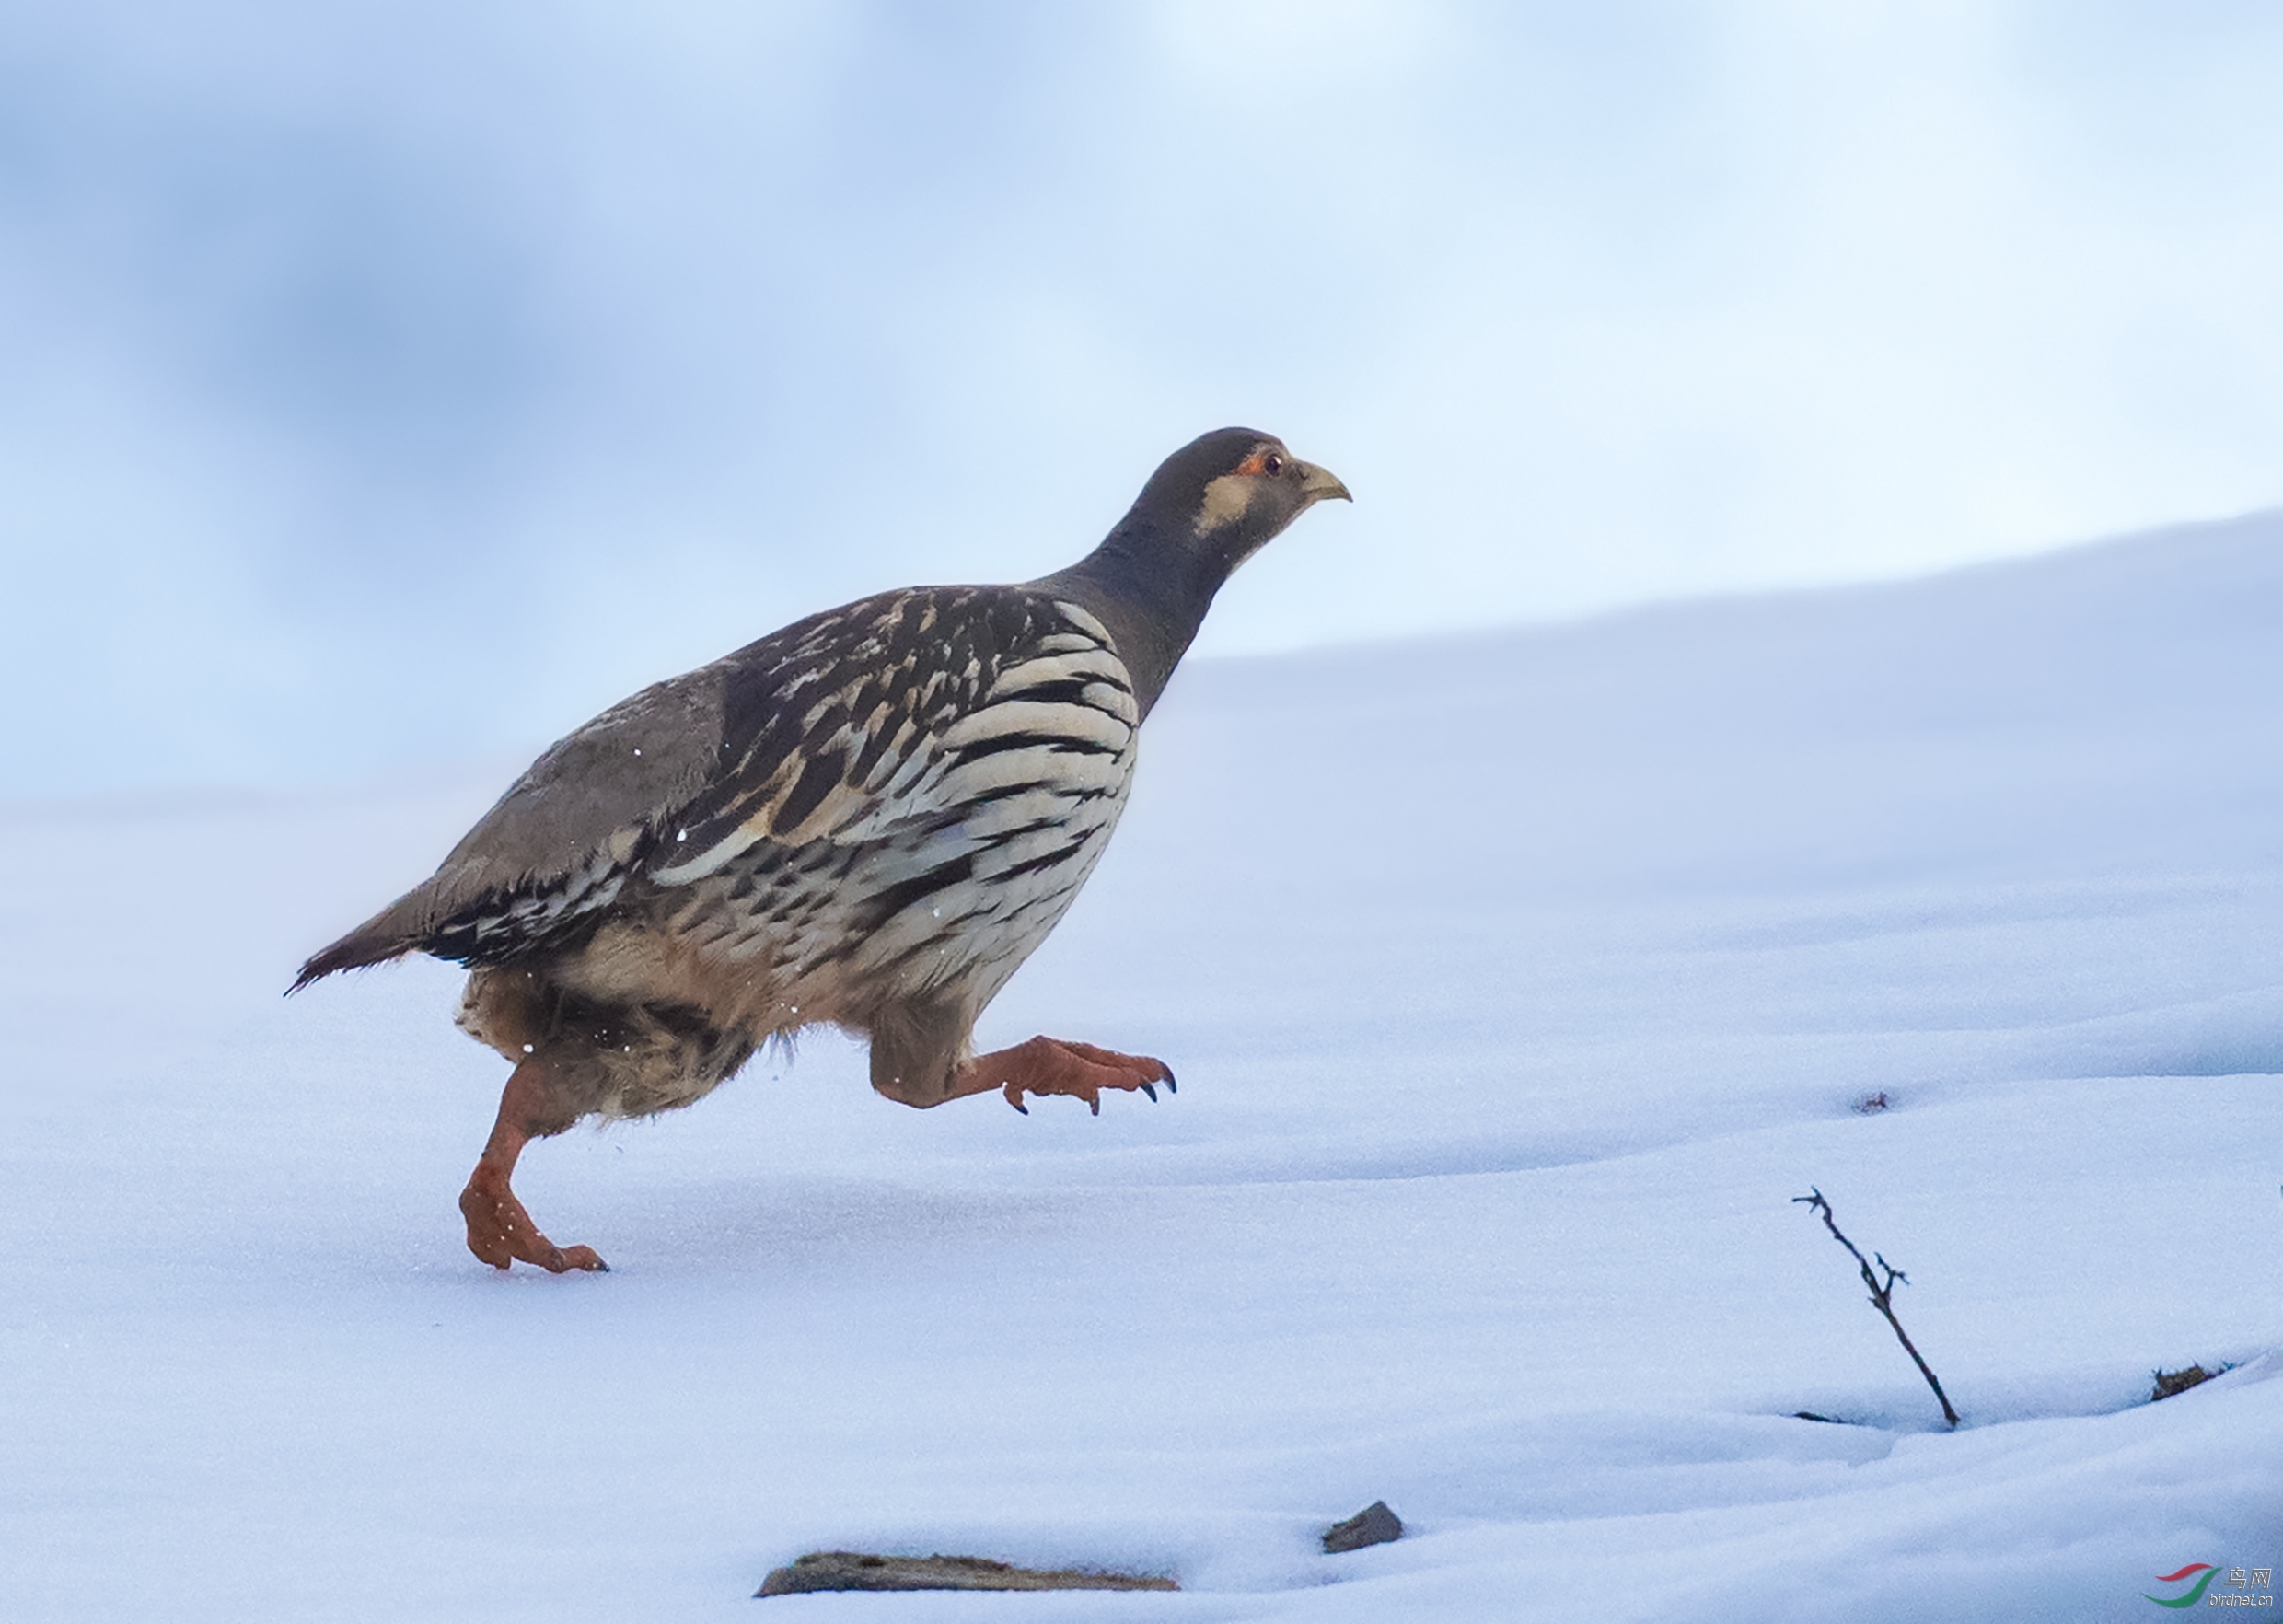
[(1881, 1293)]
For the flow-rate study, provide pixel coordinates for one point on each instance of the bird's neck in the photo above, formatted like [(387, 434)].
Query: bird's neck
[(1151, 591)]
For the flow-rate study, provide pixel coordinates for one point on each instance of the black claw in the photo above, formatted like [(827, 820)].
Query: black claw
[(1095, 1105), (1171, 1086), (601, 1267), (1151, 1091), (1019, 1106)]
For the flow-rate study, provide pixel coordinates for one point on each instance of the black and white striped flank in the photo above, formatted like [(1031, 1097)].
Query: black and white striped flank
[(911, 787)]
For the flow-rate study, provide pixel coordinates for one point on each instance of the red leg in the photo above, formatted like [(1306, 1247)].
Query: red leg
[(499, 1230), (1055, 1065)]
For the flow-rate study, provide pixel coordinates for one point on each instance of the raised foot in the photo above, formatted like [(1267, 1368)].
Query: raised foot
[(1057, 1065), (500, 1230)]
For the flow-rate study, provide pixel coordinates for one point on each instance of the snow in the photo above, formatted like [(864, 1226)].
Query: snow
[(1515, 986)]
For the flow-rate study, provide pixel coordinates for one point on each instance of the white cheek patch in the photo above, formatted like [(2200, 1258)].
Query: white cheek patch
[(1226, 498)]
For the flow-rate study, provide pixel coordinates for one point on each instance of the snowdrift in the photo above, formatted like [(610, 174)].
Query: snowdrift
[(1515, 984)]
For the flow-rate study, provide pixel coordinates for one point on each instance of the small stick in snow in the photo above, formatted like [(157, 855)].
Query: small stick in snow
[(1881, 1293)]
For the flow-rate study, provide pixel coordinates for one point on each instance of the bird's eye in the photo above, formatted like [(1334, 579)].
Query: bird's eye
[(1272, 464)]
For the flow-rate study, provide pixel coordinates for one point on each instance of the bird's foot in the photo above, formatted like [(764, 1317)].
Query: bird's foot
[(1056, 1065), (500, 1230)]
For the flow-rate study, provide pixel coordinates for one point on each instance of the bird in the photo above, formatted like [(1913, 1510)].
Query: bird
[(867, 820)]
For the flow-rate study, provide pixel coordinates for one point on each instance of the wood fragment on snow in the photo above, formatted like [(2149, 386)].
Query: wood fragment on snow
[(849, 1570), (1375, 1525)]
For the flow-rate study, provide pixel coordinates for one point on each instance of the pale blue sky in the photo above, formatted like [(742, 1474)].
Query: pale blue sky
[(393, 383)]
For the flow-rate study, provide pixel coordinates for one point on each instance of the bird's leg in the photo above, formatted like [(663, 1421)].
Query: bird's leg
[(1056, 1065), (499, 1230)]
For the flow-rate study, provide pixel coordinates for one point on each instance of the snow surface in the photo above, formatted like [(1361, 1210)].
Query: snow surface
[(1515, 986)]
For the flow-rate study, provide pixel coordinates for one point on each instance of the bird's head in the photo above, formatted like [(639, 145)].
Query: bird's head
[(1225, 496), (1208, 509)]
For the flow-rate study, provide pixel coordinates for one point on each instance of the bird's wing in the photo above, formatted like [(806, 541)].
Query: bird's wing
[(913, 711), (847, 726)]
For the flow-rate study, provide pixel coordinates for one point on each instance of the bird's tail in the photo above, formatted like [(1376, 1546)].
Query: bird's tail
[(376, 941)]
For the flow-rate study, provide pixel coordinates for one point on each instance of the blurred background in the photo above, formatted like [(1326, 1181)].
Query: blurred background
[(389, 384)]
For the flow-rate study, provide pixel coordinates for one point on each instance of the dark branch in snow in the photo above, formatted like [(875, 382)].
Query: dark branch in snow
[(1882, 1293)]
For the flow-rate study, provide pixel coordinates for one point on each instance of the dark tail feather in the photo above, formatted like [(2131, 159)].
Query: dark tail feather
[(390, 934), (353, 951), (413, 923)]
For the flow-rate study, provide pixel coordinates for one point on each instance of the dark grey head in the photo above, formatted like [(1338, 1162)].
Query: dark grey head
[(1208, 509), (1225, 496)]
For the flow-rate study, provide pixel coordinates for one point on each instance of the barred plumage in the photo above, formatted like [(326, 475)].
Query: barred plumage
[(869, 818)]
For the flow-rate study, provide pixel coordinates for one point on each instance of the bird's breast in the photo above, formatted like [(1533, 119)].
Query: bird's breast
[(962, 859)]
